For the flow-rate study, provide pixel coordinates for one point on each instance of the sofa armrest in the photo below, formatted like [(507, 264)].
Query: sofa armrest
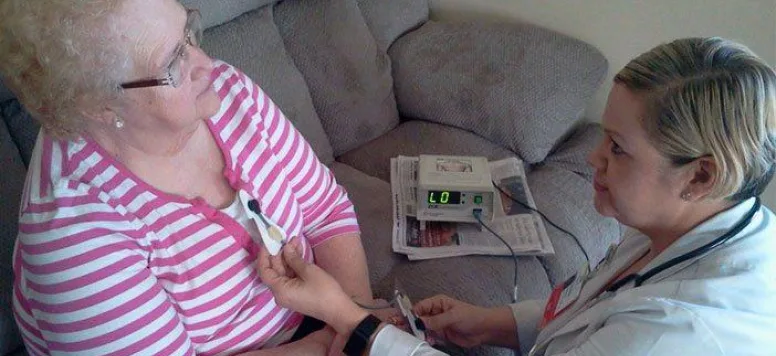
[(390, 19), (573, 149), (562, 186), (517, 84), (5, 93), (566, 198)]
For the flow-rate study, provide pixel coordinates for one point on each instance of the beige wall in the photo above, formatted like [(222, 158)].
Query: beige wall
[(622, 29)]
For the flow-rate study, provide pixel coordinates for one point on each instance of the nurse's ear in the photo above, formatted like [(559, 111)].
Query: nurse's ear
[(701, 176)]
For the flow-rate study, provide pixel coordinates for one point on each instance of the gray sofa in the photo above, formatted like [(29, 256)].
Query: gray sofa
[(367, 80)]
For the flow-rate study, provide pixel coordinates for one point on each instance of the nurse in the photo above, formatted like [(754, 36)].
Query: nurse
[(689, 144)]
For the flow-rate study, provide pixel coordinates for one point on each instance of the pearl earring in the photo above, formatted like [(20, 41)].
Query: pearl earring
[(118, 122), (686, 196)]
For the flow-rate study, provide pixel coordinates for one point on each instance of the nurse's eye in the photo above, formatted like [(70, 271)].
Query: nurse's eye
[(616, 149)]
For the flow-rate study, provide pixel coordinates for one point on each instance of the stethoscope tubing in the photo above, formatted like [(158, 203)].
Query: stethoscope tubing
[(700, 251)]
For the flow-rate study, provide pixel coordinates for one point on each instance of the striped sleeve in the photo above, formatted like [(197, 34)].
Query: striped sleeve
[(327, 211), (84, 285)]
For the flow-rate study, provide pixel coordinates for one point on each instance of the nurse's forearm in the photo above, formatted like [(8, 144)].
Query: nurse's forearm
[(343, 257)]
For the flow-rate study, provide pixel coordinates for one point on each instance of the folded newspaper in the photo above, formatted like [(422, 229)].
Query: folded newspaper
[(520, 227)]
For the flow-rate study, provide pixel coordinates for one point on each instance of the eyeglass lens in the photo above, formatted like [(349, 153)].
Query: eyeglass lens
[(194, 39)]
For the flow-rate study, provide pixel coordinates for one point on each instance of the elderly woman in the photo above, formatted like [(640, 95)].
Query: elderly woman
[(689, 145), (157, 178)]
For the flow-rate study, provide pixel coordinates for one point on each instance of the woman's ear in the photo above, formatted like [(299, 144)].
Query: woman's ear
[(100, 116), (702, 177)]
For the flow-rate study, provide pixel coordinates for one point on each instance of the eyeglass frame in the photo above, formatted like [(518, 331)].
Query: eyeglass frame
[(193, 33)]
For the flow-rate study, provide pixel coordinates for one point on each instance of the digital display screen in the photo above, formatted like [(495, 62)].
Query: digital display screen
[(444, 197)]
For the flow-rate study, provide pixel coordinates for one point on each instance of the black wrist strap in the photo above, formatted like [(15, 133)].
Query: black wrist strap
[(360, 337)]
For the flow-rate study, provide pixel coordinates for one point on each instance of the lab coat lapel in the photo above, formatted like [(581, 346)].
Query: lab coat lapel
[(631, 248), (701, 235), (606, 304)]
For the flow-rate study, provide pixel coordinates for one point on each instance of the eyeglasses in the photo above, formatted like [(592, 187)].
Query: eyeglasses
[(174, 77)]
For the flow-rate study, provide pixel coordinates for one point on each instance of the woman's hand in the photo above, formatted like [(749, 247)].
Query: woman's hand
[(467, 325), (308, 289), (317, 343)]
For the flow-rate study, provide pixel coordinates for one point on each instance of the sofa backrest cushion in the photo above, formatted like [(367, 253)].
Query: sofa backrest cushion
[(252, 43), (349, 76), (216, 12), (22, 128), (390, 19), (516, 84), (11, 184)]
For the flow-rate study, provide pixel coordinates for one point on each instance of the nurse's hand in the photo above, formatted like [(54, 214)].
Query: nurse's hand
[(307, 289), (467, 325)]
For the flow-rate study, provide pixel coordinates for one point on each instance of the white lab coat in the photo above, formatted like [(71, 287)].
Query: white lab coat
[(391, 341), (722, 303)]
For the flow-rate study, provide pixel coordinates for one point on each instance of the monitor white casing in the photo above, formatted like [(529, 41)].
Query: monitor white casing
[(477, 182)]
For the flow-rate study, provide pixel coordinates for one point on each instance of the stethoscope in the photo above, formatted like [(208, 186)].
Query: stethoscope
[(640, 279)]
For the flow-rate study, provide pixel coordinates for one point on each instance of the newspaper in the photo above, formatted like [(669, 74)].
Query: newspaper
[(520, 227)]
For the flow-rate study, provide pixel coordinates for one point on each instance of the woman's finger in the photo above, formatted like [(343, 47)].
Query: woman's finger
[(430, 306), (278, 265), (294, 261), (287, 269), (439, 322), (268, 275)]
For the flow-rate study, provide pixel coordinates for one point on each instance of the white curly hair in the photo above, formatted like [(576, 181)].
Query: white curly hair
[(62, 58)]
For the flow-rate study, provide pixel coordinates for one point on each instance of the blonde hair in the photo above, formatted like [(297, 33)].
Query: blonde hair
[(710, 97), (61, 57)]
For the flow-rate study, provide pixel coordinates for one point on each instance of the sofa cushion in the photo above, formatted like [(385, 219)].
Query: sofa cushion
[(348, 75), (482, 280), (11, 184), (412, 138), (215, 13), (390, 19), (519, 85), (22, 127), (252, 43), (572, 152)]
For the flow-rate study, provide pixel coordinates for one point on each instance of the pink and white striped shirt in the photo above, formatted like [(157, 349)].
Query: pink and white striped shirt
[(105, 263)]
